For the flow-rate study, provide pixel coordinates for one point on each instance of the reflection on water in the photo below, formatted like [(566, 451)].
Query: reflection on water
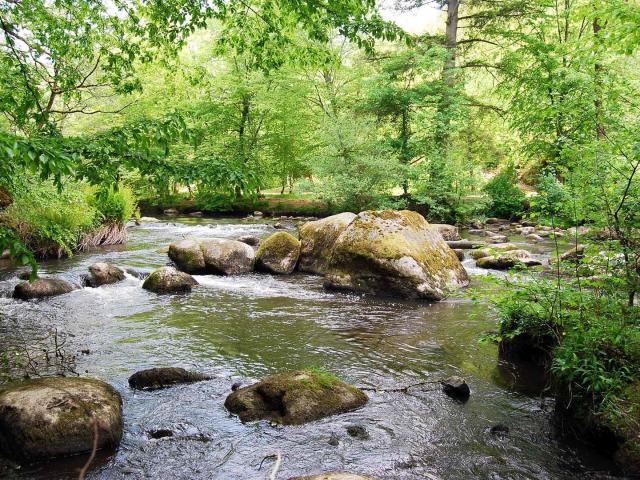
[(244, 327)]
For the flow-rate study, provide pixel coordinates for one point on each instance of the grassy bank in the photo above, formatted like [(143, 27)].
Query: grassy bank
[(583, 331)]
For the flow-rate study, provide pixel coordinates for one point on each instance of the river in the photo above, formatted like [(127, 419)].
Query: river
[(245, 327)]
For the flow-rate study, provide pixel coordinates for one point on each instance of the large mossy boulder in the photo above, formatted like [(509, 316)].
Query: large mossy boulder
[(394, 253), (52, 417), (157, 378), (278, 254), (102, 273), (169, 280), (317, 239), (42, 287), (295, 398), (218, 256)]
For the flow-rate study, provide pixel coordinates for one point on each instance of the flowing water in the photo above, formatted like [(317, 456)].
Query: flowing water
[(245, 327)]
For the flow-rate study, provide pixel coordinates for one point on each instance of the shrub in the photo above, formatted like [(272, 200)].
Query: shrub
[(506, 199), (49, 221), (113, 204)]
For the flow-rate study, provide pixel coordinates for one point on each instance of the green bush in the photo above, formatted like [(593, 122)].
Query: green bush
[(596, 335), (506, 199), (113, 204), (50, 221)]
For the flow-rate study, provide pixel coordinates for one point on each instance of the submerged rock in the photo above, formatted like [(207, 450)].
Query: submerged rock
[(219, 256), (278, 254), (317, 240), (250, 240), (394, 253), (448, 232), (157, 378), (334, 476), (169, 280), (52, 417), (456, 387), (497, 239), (102, 273), (295, 398), (506, 261), (42, 287)]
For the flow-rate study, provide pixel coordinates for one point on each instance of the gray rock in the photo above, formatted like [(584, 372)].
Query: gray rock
[(169, 280), (317, 239), (394, 253), (218, 256), (171, 212), (102, 273), (294, 398), (456, 387), (334, 476), (250, 240), (53, 417), (448, 232), (157, 378), (42, 287), (278, 254)]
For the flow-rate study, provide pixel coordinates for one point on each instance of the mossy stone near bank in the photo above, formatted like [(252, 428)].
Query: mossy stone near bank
[(295, 398), (52, 417), (169, 280), (217, 256)]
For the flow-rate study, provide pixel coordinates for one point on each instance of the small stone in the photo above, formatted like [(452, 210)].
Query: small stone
[(195, 214), (171, 211), (334, 440), (456, 387), (236, 386), (499, 430), (257, 213), (358, 431), (156, 378)]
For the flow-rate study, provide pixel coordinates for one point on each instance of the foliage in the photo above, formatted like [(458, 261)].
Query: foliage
[(506, 199), (48, 220), (113, 204)]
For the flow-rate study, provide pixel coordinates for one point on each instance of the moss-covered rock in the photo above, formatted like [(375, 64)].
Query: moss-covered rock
[(507, 260), (217, 256), (42, 287), (317, 239), (51, 417), (102, 273), (278, 254), (334, 476), (394, 253), (295, 398), (188, 256), (157, 378), (448, 232), (169, 280)]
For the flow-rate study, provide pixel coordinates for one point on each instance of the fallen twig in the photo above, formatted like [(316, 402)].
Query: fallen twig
[(399, 389)]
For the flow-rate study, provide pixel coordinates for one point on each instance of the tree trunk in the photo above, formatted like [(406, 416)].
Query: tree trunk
[(448, 78), (600, 131)]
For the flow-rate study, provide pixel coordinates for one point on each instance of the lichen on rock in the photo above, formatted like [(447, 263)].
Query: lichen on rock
[(278, 254), (317, 239), (295, 398), (394, 253)]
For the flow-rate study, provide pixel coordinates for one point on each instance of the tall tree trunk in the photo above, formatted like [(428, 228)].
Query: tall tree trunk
[(600, 131), (244, 120), (445, 103), (405, 155)]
